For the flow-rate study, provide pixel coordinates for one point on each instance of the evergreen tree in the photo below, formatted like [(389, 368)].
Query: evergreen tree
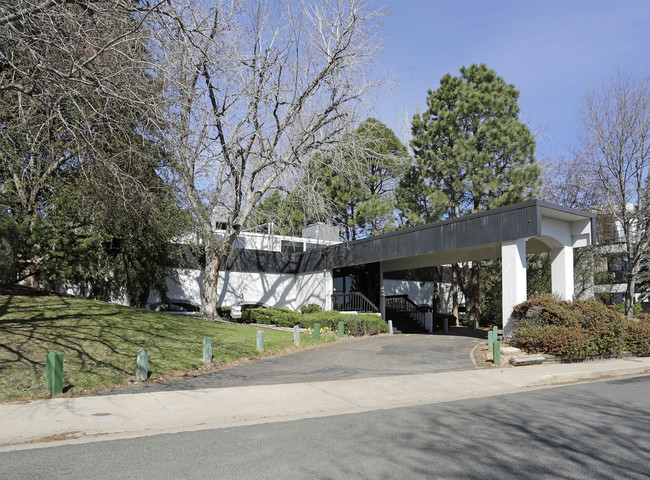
[(472, 151), (362, 196)]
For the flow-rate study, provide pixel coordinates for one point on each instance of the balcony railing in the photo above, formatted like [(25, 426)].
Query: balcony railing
[(353, 302), (402, 303)]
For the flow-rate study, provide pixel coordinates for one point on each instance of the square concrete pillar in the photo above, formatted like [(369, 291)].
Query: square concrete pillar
[(513, 271), (562, 272), (328, 285)]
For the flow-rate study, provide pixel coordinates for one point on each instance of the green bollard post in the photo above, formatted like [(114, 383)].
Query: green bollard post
[(207, 350), (54, 373), (390, 327), (296, 335), (495, 333), (142, 366), (341, 329), (316, 331), (497, 353), (260, 340), (474, 325), (490, 339), (446, 325)]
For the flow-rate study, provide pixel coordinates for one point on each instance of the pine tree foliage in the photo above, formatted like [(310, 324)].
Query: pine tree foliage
[(471, 149), (358, 179)]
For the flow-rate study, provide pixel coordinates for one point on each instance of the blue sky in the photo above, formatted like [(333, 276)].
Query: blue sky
[(552, 51)]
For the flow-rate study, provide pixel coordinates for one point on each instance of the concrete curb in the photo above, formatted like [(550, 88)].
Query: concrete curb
[(61, 421)]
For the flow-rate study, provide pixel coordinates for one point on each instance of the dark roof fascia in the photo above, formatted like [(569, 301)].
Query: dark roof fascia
[(352, 253)]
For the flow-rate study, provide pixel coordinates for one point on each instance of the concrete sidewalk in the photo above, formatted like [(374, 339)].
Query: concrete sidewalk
[(77, 420)]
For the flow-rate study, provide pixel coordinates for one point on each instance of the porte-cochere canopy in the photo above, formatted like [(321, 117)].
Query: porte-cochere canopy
[(508, 232)]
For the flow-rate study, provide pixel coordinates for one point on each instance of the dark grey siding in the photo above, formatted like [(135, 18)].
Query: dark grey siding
[(493, 226)]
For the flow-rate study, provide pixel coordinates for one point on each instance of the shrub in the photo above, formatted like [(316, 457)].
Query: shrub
[(637, 335), (603, 327), (281, 317), (311, 308), (356, 325), (572, 330)]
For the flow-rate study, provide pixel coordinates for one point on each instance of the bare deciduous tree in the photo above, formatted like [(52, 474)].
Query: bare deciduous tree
[(616, 143), (254, 89), (73, 89)]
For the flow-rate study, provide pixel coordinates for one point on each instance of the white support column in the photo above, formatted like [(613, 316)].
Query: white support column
[(562, 272), (328, 285), (513, 270)]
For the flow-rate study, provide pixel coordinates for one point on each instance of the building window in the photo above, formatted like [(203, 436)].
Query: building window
[(291, 247)]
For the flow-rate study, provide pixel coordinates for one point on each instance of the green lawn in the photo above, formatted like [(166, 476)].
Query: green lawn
[(100, 342)]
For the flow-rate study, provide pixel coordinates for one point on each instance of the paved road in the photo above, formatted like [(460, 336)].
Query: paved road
[(586, 431), (362, 358)]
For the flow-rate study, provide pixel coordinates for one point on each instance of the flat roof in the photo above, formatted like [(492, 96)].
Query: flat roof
[(473, 237), (477, 236)]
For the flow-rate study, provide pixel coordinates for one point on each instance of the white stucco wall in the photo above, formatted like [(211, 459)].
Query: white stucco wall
[(419, 292), (314, 287), (237, 288)]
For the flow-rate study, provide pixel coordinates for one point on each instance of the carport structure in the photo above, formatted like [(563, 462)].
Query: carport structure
[(508, 233)]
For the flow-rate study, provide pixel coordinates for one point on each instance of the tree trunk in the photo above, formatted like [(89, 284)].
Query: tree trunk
[(475, 307), (210, 294), (436, 290), (454, 289), (629, 295)]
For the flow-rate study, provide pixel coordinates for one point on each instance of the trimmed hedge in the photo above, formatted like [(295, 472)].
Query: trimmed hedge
[(354, 324), (281, 317), (584, 328), (311, 308)]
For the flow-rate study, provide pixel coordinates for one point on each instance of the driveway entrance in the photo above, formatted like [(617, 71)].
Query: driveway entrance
[(358, 358)]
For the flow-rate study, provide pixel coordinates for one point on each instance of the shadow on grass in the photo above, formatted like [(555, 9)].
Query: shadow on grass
[(94, 338)]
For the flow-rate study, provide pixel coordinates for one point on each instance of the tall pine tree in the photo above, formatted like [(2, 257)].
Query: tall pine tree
[(472, 152)]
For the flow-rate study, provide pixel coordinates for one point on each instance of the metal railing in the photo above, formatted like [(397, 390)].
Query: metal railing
[(403, 304), (353, 302)]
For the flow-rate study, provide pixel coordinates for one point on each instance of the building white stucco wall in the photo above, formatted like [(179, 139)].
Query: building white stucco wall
[(283, 290)]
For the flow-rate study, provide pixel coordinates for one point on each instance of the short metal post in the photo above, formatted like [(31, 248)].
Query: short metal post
[(341, 329), (446, 325), (207, 350), (54, 373), (497, 353), (490, 339), (390, 327), (142, 365), (316, 331), (382, 304), (296, 335), (260, 340)]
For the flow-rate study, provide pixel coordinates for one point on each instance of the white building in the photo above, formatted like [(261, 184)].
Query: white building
[(289, 272)]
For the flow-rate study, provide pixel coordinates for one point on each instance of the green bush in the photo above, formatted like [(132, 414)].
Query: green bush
[(570, 330), (637, 335), (356, 325), (311, 308), (281, 317)]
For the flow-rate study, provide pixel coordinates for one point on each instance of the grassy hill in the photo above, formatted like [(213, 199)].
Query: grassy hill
[(100, 341)]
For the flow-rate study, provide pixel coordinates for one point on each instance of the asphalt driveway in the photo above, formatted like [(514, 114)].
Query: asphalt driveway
[(358, 358)]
